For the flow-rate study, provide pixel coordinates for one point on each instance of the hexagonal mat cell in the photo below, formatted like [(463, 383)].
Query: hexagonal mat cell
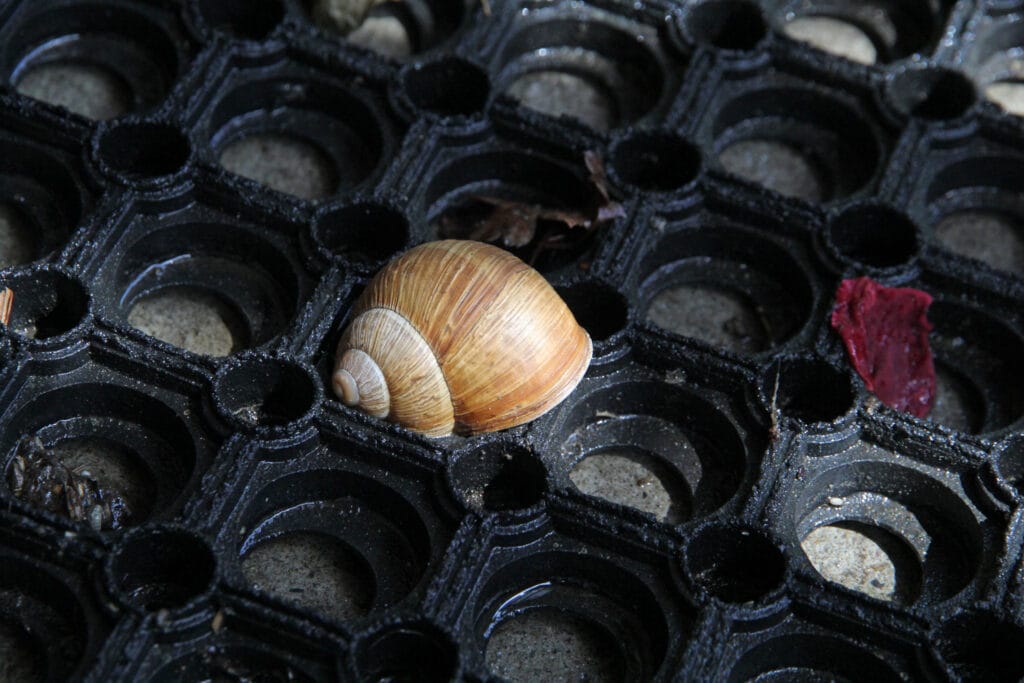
[(298, 131), (992, 59), (341, 544), (557, 614), (398, 28), (726, 286), (804, 643), (48, 304), (520, 202), (692, 454), (44, 629), (975, 209), (597, 68), (797, 142), (41, 201), (979, 366), (203, 282), (867, 31), (930, 540), (127, 454), (98, 64)]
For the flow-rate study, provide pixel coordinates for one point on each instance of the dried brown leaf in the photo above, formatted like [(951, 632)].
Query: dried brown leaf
[(518, 223)]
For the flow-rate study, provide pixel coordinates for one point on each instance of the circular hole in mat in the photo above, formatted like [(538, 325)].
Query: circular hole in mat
[(447, 87), (603, 75), (158, 569), (994, 237), (654, 436), (933, 94), (808, 389), (778, 166), (396, 29), (247, 19), (835, 36), (189, 318), (282, 162), (871, 507), (864, 558), (365, 544), (727, 24), (632, 478), (408, 652), (600, 309), (977, 646), (141, 151), (46, 304), (552, 645), (89, 90), (726, 287), (365, 231), (116, 457), (553, 612), (736, 565), (499, 477), (315, 571), (43, 632), (873, 236), (98, 64), (558, 93), (810, 658), (655, 161), (265, 392), (798, 142)]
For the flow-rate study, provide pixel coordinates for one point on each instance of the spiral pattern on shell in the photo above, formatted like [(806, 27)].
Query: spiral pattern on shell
[(459, 336)]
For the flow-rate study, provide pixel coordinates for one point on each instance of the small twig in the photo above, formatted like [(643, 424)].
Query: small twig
[(6, 302), (774, 431)]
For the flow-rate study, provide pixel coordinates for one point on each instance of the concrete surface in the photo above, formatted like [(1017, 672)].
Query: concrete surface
[(317, 573)]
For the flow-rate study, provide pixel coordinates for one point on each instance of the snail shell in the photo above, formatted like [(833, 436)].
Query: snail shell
[(459, 336)]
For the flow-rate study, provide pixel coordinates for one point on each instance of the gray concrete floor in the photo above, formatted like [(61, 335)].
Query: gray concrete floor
[(317, 574)]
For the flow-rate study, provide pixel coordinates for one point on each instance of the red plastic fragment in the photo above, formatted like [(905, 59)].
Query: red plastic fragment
[(885, 330)]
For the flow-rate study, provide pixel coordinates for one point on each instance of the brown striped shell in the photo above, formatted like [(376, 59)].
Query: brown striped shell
[(459, 336)]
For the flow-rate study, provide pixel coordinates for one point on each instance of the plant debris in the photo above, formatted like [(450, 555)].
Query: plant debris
[(38, 477), (6, 303), (516, 224), (885, 331)]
